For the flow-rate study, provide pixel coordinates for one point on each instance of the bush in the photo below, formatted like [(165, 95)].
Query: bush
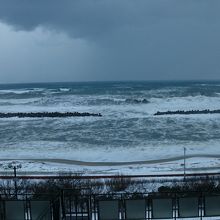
[(118, 184)]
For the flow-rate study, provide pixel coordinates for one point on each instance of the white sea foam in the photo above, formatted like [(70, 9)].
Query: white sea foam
[(20, 91), (62, 150), (65, 89)]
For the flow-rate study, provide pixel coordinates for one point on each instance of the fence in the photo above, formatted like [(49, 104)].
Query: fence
[(84, 204), (141, 206), (72, 204)]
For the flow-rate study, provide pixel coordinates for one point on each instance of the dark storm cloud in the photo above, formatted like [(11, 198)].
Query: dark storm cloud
[(82, 18), (79, 18), (132, 39)]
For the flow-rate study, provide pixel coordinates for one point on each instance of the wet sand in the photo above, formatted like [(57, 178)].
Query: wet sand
[(103, 164)]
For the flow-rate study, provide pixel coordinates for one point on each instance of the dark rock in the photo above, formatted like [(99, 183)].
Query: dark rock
[(136, 101)]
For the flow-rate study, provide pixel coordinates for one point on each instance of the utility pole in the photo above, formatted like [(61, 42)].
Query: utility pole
[(184, 163), (15, 181)]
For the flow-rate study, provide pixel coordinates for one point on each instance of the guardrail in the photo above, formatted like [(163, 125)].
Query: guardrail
[(79, 176)]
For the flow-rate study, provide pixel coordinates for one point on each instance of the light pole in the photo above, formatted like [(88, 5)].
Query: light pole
[(184, 163), (15, 166)]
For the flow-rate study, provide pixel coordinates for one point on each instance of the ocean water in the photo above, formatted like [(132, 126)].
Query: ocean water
[(128, 130)]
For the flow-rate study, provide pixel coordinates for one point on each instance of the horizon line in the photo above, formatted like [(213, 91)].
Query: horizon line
[(111, 81)]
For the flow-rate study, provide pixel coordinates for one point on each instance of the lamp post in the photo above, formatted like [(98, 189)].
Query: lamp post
[(15, 166)]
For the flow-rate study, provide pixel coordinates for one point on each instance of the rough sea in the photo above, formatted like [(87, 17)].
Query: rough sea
[(127, 130)]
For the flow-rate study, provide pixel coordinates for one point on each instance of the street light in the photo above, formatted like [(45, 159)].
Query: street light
[(15, 166)]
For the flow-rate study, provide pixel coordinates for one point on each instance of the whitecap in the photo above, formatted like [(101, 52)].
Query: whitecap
[(64, 89)]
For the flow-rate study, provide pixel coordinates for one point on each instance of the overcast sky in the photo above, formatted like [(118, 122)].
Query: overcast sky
[(80, 40)]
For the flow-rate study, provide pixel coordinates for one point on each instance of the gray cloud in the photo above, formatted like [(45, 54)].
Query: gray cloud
[(82, 18), (162, 39), (78, 18)]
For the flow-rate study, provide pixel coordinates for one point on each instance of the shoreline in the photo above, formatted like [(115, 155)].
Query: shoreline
[(123, 163), (195, 164)]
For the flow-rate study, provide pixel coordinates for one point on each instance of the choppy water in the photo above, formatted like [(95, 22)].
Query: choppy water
[(127, 131)]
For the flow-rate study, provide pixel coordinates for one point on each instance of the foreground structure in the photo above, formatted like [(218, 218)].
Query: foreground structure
[(71, 204)]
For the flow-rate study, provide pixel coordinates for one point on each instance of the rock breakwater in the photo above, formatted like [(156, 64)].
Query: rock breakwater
[(191, 112), (47, 114)]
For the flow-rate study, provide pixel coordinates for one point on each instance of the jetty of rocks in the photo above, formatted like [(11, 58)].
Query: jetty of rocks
[(191, 112), (47, 114)]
